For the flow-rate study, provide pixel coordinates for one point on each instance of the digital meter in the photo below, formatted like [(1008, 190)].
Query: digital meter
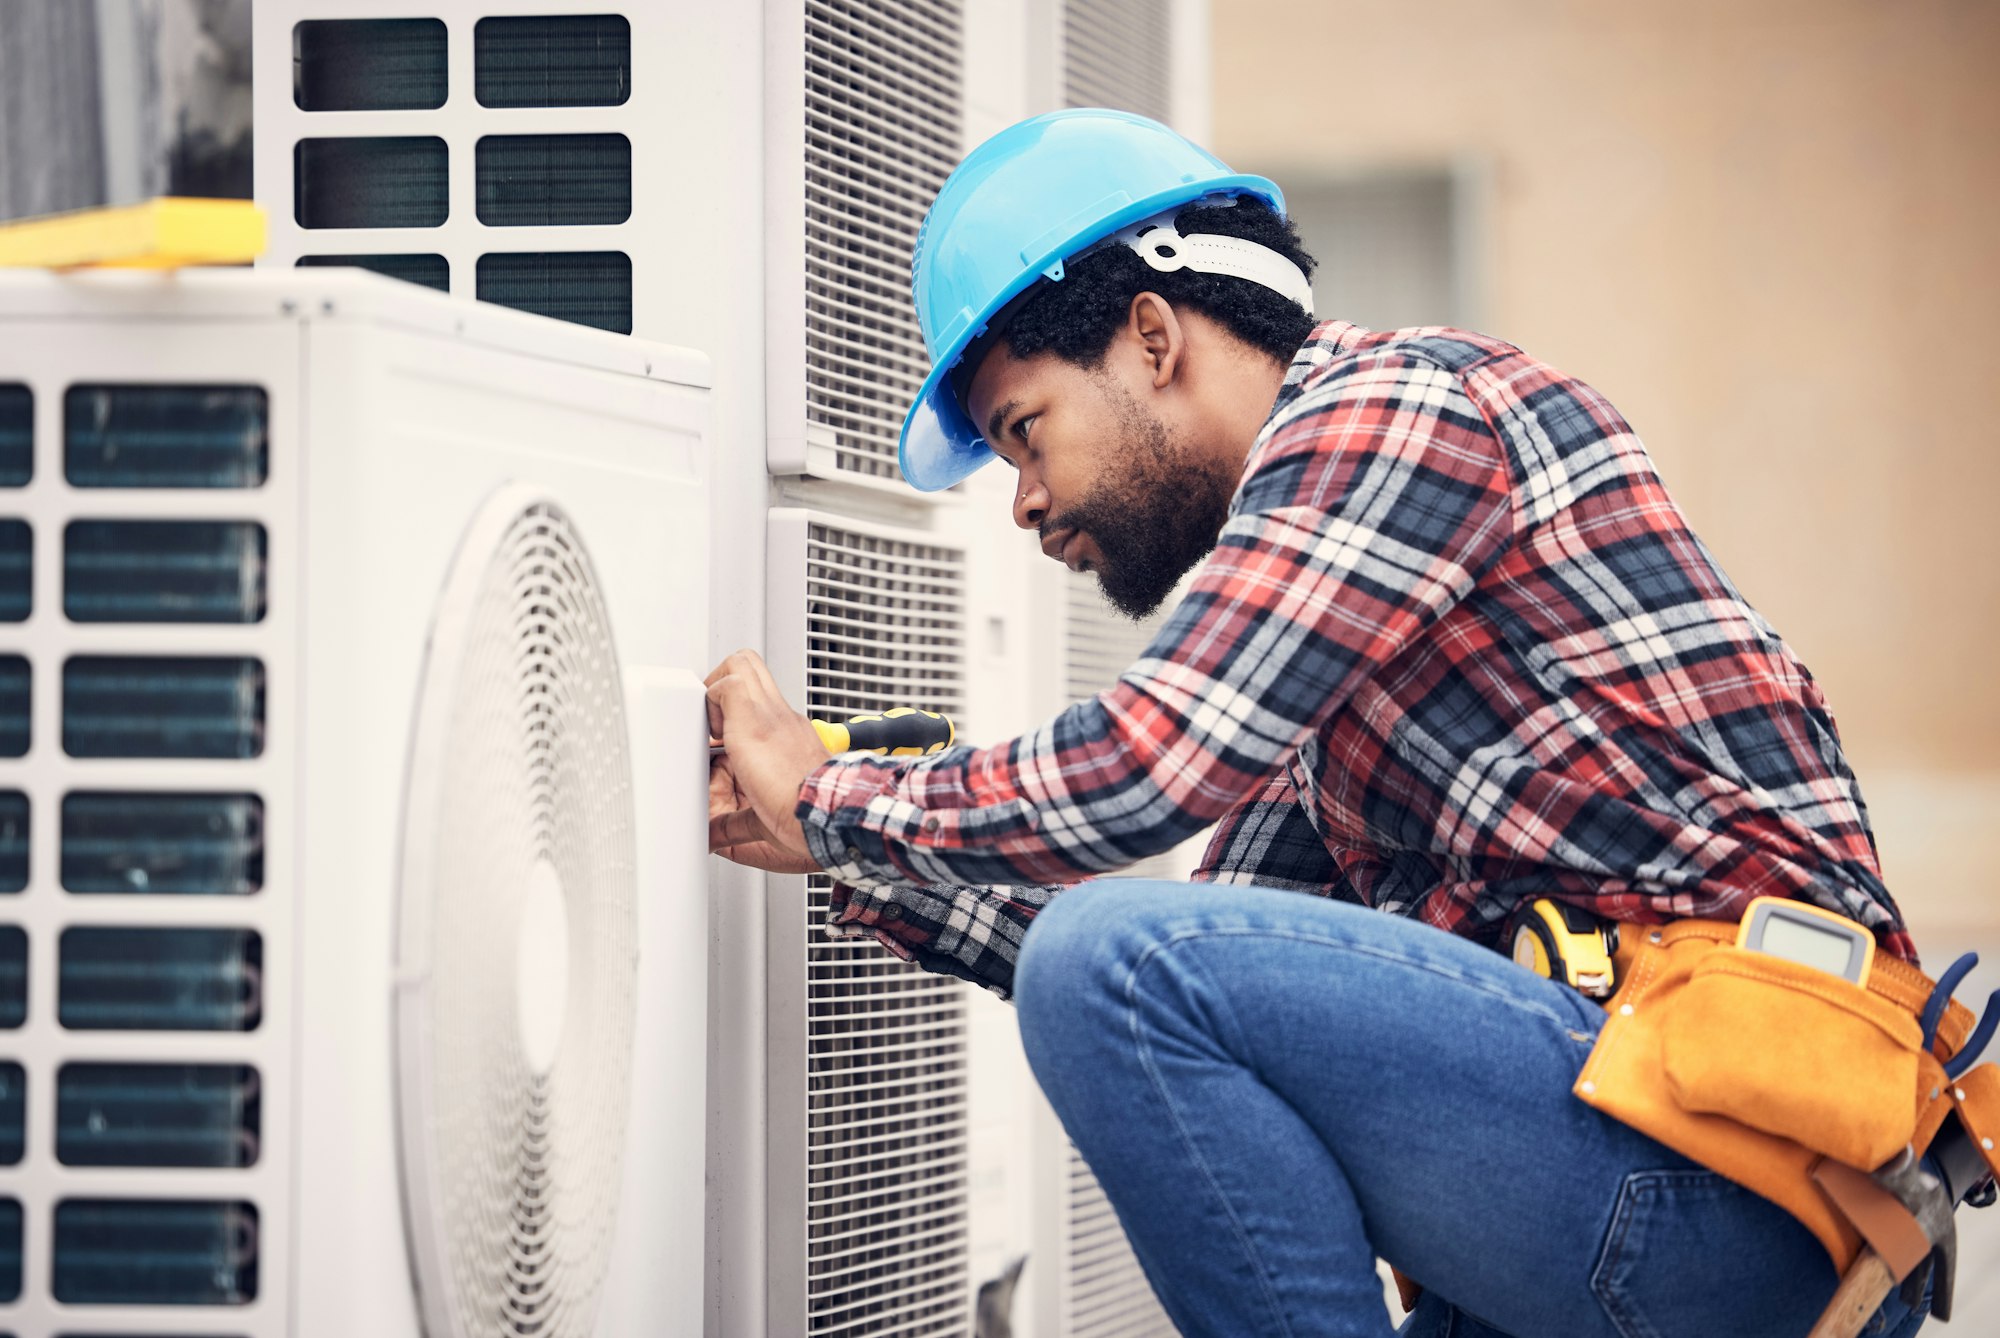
[(1809, 936)]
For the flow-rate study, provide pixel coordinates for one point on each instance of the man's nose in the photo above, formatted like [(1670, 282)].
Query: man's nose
[(1031, 503)]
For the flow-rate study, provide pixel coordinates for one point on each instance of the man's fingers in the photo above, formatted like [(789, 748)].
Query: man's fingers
[(735, 828), (722, 792), (735, 664), (758, 672)]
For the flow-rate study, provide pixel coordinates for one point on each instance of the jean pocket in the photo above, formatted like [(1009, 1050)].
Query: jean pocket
[(1690, 1253)]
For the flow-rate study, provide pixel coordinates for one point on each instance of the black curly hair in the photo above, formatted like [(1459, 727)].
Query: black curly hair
[(1076, 318)]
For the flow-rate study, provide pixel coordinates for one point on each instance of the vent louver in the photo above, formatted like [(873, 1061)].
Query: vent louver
[(431, 271), (17, 435), (553, 180), (156, 1115), (586, 287), (147, 979), (1106, 1293), (886, 1051), (13, 840), (381, 181), (10, 1249), (571, 60), (15, 684), (1117, 53), (17, 571), (13, 976), (162, 706), (13, 1113), (884, 127), (136, 436), (162, 844), (161, 571), (155, 1252), (368, 64)]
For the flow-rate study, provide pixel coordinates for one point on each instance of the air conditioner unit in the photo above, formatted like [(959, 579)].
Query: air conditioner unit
[(508, 150), (867, 1160), (351, 773), (865, 112)]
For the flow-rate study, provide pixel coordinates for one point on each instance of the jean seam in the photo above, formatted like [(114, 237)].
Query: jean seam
[(1180, 1128), (1625, 1212), (1343, 945)]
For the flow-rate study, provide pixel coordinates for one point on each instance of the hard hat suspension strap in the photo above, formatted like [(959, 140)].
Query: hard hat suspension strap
[(1161, 246)]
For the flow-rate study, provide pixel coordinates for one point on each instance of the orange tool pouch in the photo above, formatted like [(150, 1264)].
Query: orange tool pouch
[(1757, 1067)]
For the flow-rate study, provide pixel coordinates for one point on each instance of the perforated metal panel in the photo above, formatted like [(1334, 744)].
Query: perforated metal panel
[(883, 128), (885, 1053), (1117, 53), (1105, 1295), (144, 995)]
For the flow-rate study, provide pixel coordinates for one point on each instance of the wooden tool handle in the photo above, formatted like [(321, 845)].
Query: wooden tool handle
[(1859, 1296)]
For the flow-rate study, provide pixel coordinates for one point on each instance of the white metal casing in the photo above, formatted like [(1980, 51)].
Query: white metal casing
[(393, 413), (652, 118)]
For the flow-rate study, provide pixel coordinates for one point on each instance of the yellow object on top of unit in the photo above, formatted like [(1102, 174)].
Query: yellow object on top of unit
[(166, 233)]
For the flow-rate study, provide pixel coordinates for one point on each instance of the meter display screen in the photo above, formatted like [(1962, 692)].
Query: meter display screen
[(1808, 943)]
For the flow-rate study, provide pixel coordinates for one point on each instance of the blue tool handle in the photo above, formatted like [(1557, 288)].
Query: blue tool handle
[(1947, 985)]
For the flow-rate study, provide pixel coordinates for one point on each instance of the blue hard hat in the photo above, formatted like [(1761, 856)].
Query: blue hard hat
[(1020, 204)]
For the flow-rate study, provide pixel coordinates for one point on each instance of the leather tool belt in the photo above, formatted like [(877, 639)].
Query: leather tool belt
[(1759, 1068)]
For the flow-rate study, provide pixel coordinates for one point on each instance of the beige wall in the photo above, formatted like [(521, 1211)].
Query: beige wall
[(1770, 231)]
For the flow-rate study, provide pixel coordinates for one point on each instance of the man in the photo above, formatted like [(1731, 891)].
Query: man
[(1452, 646)]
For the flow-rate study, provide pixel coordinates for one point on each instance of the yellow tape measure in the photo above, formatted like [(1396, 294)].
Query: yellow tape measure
[(1563, 943)]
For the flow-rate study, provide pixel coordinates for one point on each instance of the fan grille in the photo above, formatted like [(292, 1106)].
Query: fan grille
[(520, 782), (886, 1107), (1117, 53), (1104, 1292), (883, 127)]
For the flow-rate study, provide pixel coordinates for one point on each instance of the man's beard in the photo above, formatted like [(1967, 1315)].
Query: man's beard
[(1156, 521)]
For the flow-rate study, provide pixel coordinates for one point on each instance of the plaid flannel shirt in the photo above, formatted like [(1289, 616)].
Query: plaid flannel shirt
[(1456, 647)]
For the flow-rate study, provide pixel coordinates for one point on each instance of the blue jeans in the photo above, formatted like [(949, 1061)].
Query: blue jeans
[(1274, 1089)]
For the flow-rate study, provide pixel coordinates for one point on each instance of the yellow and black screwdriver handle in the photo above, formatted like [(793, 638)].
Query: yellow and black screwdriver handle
[(1563, 943), (903, 732)]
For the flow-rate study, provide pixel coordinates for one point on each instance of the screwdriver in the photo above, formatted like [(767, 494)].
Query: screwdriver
[(902, 732)]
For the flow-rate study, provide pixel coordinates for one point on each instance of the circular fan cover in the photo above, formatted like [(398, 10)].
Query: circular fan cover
[(514, 1010)]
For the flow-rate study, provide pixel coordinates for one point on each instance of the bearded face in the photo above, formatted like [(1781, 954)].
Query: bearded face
[(1154, 511)]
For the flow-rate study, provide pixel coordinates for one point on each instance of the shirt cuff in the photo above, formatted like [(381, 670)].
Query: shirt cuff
[(851, 919), (832, 800)]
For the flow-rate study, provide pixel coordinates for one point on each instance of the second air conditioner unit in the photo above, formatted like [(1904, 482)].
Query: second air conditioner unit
[(353, 957)]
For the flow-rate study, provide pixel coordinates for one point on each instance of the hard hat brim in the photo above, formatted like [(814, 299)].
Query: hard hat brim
[(940, 445)]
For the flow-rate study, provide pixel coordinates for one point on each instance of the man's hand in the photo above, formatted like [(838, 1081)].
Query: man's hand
[(753, 787), (735, 832)]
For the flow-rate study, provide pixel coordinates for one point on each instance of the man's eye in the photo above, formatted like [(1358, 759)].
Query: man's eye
[(1021, 427)]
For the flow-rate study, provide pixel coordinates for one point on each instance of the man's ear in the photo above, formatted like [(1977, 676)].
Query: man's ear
[(1151, 322)]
